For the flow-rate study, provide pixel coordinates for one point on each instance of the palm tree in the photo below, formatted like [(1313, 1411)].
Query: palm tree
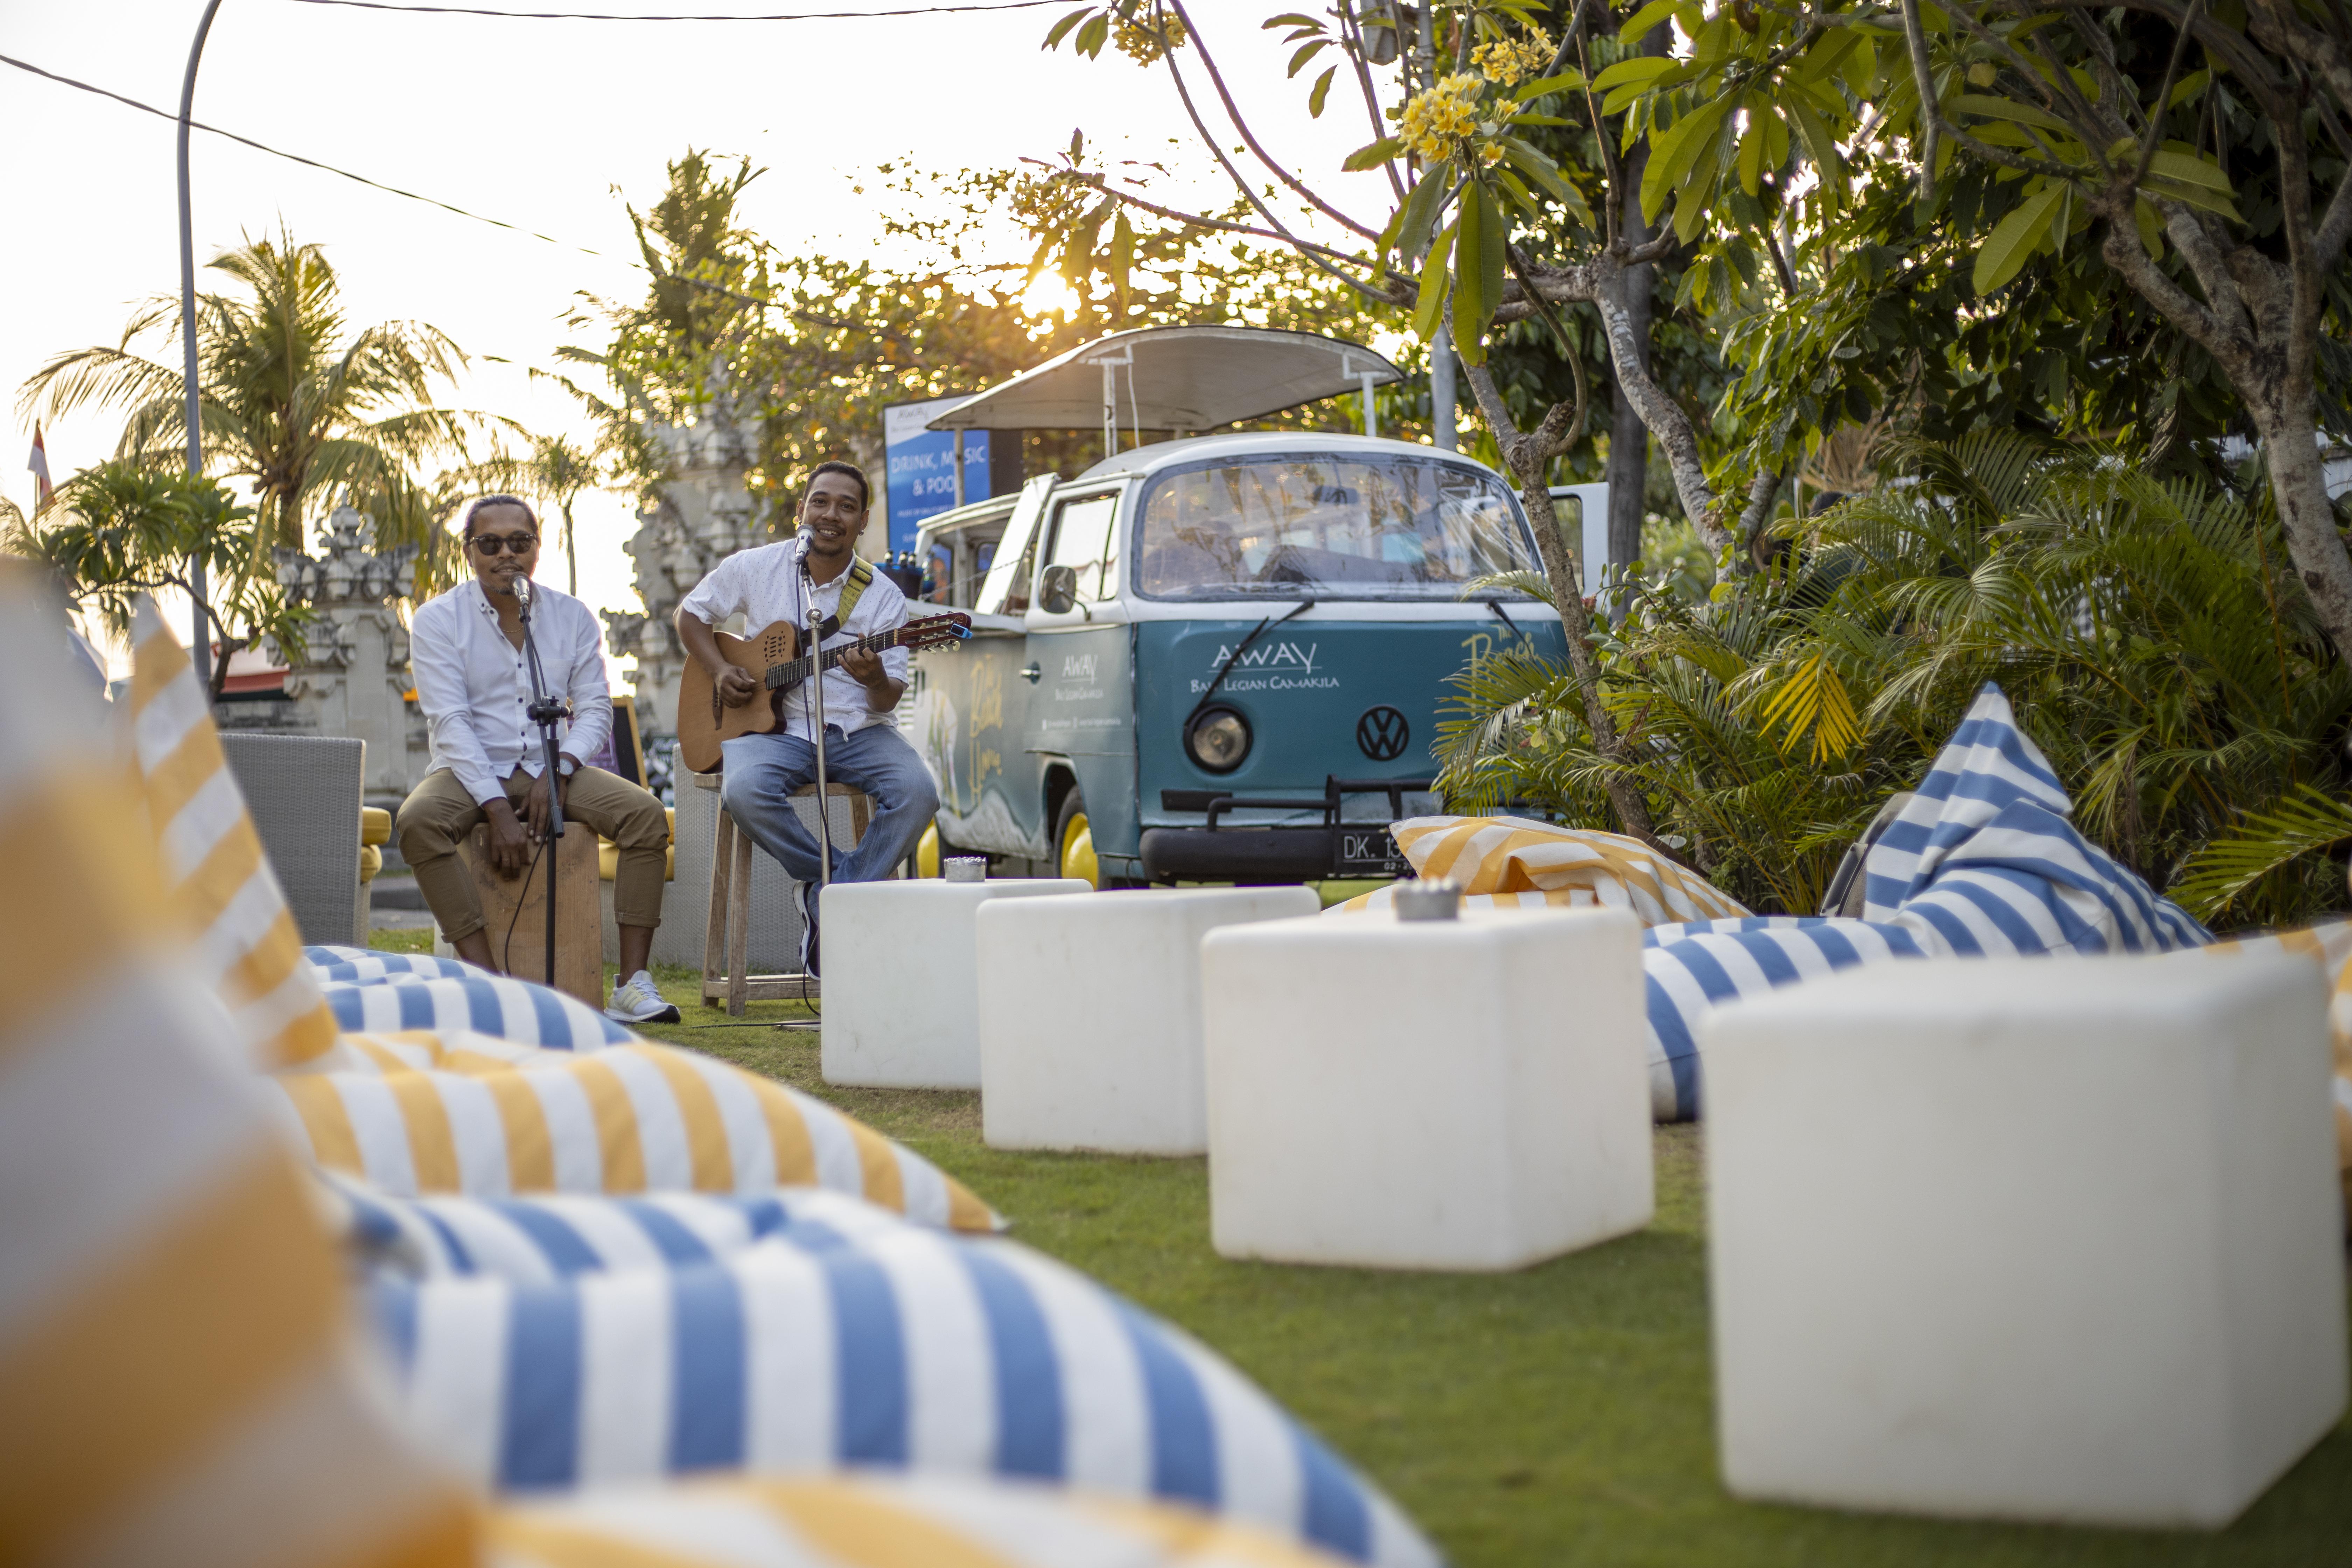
[(292, 400)]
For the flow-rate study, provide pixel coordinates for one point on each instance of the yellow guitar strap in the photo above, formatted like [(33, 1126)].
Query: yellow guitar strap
[(860, 575)]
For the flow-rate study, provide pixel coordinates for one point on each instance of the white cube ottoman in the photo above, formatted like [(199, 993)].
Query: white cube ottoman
[(1090, 1015), (901, 993), (1443, 1094), (2049, 1238)]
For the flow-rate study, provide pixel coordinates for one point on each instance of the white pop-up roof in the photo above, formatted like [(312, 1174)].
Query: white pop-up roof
[(1174, 378)]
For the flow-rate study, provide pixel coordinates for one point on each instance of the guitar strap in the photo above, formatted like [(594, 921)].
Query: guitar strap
[(861, 577)]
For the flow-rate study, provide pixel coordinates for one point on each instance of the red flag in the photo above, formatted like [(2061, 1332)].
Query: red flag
[(43, 487)]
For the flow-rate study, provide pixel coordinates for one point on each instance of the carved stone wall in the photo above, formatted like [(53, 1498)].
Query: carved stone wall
[(705, 514), (352, 677)]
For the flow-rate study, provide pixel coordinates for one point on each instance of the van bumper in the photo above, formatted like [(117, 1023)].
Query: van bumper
[(1236, 854)]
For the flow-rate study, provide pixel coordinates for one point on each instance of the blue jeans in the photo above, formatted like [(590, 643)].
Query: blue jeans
[(761, 772)]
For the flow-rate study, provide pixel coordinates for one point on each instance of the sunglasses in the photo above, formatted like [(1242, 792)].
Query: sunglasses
[(522, 543)]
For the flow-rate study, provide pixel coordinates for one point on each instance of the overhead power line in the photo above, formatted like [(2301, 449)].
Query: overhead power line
[(610, 16), (292, 157)]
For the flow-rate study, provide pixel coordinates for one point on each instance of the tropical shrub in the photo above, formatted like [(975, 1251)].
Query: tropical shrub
[(2150, 632)]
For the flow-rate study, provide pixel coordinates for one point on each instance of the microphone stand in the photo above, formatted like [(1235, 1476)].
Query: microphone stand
[(816, 716), (546, 712)]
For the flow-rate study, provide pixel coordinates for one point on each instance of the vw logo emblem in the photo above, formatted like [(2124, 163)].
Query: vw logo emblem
[(1382, 732)]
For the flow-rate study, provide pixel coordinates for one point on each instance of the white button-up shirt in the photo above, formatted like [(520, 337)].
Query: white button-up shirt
[(763, 586), (475, 686)]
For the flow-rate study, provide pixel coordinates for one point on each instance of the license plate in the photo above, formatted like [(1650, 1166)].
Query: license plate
[(1368, 850)]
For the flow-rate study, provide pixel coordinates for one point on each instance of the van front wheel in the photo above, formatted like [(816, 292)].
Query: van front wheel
[(1074, 842)]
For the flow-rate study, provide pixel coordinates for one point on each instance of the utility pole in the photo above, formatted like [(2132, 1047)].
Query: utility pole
[(201, 644), (1441, 347)]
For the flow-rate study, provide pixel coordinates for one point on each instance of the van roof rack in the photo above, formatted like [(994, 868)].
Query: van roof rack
[(1184, 379)]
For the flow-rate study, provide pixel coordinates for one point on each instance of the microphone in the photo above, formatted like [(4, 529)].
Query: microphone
[(522, 593)]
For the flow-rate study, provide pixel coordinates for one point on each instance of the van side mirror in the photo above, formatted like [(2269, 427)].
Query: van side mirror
[(1058, 590)]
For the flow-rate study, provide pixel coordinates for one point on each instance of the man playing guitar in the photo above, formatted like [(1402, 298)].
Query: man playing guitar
[(778, 582)]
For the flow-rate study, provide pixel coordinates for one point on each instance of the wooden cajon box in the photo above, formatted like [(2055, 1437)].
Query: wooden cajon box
[(518, 936)]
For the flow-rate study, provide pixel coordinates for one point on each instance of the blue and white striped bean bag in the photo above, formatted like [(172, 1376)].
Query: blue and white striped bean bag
[(520, 1011), (1983, 861), (838, 1337), (331, 964)]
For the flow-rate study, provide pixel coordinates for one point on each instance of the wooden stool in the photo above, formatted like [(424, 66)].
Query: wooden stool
[(516, 913), (727, 947)]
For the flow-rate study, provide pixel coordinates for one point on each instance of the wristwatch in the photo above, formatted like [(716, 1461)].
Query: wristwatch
[(566, 764)]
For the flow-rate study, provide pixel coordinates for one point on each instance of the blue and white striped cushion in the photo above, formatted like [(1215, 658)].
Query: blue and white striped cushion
[(1982, 861), (347, 965), (545, 1238), (519, 1011), (841, 1338)]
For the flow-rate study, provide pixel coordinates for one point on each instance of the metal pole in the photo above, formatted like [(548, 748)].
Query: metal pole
[(817, 721), (202, 645), (959, 468), (1441, 348)]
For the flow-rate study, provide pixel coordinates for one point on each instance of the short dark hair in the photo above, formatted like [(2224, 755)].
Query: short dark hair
[(476, 510), (865, 492)]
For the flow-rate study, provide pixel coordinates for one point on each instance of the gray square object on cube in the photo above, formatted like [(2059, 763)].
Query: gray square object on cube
[(304, 794)]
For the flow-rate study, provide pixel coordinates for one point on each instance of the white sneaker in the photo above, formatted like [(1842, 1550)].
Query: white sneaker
[(636, 1001)]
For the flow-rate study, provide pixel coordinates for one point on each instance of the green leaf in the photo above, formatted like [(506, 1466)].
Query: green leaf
[(2151, 224), (1372, 156), (1421, 209), (1478, 241), (1821, 147), (1289, 20), (2307, 822), (1993, 108), (1751, 152), (1638, 69), (1567, 81), (2183, 167), (1094, 35), (1676, 152), (1306, 51), (1322, 91), (2016, 238), (1520, 195), (1062, 28), (1428, 308), (1638, 25), (1537, 120), (1122, 258), (2193, 85)]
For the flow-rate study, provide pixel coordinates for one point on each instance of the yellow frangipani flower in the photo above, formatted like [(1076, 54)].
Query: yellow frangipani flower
[(1510, 61), (1438, 121)]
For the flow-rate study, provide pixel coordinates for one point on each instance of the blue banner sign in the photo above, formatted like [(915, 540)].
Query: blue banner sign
[(921, 465)]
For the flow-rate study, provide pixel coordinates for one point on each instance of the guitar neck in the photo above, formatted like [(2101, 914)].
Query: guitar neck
[(792, 671)]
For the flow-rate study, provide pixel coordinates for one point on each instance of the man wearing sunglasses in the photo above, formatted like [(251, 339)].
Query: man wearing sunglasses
[(466, 647)]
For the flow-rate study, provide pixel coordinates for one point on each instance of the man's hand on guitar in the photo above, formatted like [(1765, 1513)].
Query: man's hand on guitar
[(864, 666), (510, 843), (737, 686)]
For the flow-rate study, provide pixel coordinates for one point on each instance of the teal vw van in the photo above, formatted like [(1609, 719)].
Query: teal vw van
[(1212, 658)]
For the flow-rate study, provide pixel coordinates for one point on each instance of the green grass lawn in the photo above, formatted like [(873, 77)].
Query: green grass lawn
[(1561, 1414)]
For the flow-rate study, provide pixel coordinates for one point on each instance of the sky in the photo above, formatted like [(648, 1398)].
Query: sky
[(549, 126)]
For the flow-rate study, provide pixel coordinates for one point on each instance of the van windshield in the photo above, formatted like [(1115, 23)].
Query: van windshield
[(1376, 527)]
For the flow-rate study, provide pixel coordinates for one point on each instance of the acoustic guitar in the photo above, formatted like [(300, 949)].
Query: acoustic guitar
[(705, 723)]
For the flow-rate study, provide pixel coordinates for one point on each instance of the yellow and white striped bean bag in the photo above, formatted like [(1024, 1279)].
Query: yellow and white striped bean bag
[(862, 1521), (634, 1119), (1510, 862)]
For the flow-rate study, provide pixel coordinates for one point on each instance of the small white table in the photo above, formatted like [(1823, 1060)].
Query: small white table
[(1465, 1094), (2046, 1238), (1090, 1015), (901, 986)]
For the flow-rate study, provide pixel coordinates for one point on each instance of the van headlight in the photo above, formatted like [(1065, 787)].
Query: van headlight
[(1218, 739)]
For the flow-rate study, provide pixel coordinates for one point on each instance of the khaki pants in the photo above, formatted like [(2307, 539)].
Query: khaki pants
[(439, 813)]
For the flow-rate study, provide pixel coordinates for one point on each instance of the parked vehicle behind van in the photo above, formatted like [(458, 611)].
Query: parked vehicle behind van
[(1215, 658)]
